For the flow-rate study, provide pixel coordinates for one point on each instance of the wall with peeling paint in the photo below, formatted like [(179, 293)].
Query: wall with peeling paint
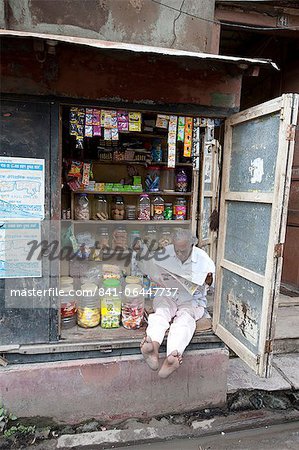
[(133, 21), (116, 76)]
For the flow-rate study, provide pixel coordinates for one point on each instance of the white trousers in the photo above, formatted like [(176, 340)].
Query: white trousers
[(182, 327)]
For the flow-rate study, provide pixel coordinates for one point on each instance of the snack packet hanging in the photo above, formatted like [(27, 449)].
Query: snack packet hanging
[(75, 170)]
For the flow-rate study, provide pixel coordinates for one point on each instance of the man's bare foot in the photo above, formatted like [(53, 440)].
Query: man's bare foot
[(171, 363), (150, 351)]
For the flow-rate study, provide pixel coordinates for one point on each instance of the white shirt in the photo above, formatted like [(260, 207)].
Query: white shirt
[(194, 270)]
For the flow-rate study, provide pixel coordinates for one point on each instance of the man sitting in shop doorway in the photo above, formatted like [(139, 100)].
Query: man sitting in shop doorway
[(185, 272)]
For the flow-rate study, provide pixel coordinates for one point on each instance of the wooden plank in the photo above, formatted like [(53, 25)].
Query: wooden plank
[(194, 201), (243, 272), (104, 344), (256, 111), (222, 222), (245, 354), (256, 197)]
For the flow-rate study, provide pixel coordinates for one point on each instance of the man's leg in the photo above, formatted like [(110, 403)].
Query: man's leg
[(158, 323), (180, 334)]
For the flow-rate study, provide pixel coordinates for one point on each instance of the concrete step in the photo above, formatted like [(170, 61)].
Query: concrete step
[(287, 326), (113, 388)]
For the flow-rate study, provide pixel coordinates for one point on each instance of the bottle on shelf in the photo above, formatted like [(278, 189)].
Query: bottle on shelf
[(111, 304), (118, 208), (144, 207), (120, 239), (167, 179), (158, 208), (82, 208), (168, 211), (132, 307), (165, 238), (180, 209), (181, 181), (100, 208), (134, 237), (89, 314), (130, 212), (150, 238), (152, 180)]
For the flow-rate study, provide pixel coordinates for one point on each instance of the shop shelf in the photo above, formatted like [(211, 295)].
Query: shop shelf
[(143, 163), (131, 222), (149, 135), (112, 161), (177, 194), (162, 163)]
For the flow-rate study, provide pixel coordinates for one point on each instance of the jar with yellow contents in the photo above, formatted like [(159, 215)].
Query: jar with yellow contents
[(89, 312), (110, 303)]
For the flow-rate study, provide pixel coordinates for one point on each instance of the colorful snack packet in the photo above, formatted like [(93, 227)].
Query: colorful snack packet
[(97, 130), (88, 131), (88, 117), (75, 170), (86, 173), (96, 117), (134, 121)]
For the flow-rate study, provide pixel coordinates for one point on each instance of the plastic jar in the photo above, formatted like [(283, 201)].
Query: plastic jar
[(118, 208), (68, 307), (120, 239), (168, 179), (152, 180), (144, 207), (158, 208), (82, 211), (150, 238), (165, 238), (180, 209), (168, 211), (134, 237), (103, 240), (132, 307), (181, 181), (100, 208), (131, 212), (89, 313), (110, 304)]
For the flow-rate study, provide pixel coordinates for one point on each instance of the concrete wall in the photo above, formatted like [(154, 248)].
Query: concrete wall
[(83, 72), (114, 388), (134, 21)]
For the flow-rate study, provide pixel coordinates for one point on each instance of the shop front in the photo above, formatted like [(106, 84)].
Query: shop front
[(129, 142)]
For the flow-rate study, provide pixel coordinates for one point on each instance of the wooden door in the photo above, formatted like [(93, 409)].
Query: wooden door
[(257, 160)]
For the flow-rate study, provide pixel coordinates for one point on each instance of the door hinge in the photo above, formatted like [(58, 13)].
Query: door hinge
[(278, 250), (291, 130), (105, 348), (258, 360), (269, 346)]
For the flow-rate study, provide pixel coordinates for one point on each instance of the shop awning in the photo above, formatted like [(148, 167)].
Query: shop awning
[(137, 48)]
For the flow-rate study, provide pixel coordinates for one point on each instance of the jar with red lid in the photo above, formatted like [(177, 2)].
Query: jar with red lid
[(180, 209)]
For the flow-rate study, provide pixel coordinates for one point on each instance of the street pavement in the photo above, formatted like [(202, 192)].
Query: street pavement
[(277, 437)]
